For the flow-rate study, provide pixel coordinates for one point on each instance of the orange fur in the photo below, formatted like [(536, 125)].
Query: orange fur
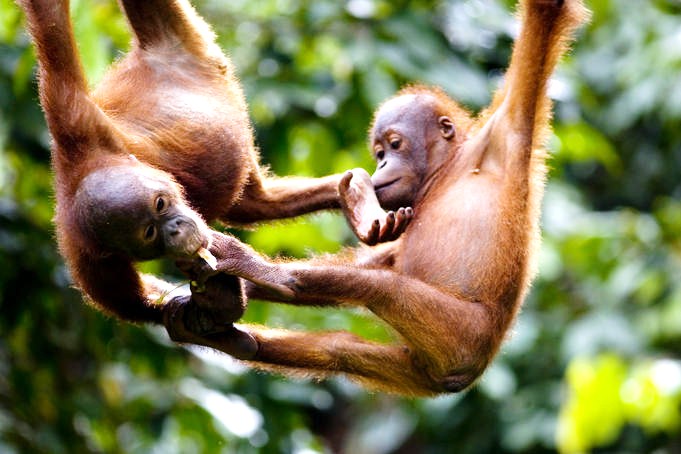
[(175, 103), (452, 284)]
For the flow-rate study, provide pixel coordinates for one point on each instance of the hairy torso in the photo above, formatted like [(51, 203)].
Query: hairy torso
[(469, 211), (170, 103)]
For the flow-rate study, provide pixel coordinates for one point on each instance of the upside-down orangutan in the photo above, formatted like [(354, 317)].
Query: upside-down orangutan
[(452, 284), (162, 146)]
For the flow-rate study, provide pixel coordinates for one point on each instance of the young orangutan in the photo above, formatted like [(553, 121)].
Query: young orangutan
[(163, 145), (452, 284)]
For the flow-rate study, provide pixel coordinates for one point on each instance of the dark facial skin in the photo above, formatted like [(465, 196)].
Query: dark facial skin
[(409, 144), (139, 212)]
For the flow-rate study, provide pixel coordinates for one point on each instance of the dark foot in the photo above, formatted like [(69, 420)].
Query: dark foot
[(187, 323), (235, 258), (222, 297)]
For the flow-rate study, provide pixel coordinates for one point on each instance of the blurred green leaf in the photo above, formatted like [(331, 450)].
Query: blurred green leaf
[(9, 20), (594, 413), (580, 143), (604, 395)]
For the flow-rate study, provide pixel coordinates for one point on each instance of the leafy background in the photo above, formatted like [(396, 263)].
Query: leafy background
[(594, 360)]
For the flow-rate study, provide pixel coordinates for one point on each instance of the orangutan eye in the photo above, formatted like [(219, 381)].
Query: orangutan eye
[(395, 143), (160, 204), (150, 233), (380, 154)]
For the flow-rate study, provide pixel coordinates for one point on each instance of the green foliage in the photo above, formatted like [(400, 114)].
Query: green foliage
[(604, 396), (593, 363)]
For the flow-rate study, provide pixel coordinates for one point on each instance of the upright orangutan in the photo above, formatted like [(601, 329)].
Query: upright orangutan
[(163, 145), (452, 284)]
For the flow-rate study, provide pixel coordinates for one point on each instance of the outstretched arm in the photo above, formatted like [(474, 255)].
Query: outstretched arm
[(546, 31), (277, 198), (517, 123), (160, 22), (267, 198), (75, 122)]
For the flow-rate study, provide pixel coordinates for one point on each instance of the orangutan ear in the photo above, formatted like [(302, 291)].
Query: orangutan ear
[(446, 127)]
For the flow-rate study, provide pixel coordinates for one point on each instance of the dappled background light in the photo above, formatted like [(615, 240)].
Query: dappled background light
[(594, 361)]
